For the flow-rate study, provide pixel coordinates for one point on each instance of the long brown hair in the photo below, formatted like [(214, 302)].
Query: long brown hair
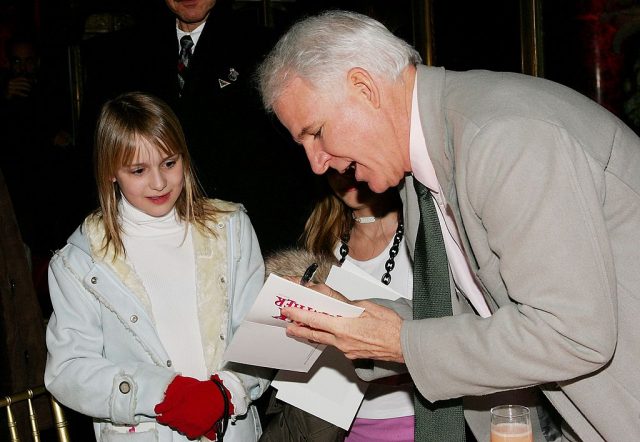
[(123, 121), (330, 219)]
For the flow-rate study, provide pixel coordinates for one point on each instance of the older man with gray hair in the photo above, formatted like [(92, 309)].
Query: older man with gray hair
[(534, 192)]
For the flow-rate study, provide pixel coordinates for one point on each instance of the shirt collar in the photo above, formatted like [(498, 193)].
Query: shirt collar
[(195, 34), (421, 164), (135, 222)]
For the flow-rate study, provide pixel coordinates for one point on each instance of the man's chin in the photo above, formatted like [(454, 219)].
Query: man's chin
[(381, 186), (378, 187), (191, 13)]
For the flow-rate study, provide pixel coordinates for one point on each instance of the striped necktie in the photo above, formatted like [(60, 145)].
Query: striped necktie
[(186, 51), (442, 420)]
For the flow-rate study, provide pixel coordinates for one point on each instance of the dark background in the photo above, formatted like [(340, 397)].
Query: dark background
[(589, 45)]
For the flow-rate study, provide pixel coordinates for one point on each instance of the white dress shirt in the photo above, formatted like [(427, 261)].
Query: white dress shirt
[(195, 35)]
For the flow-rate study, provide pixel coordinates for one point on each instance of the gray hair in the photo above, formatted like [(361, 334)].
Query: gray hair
[(322, 48)]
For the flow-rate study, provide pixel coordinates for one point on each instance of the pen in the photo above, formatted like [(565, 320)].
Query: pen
[(308, 274)]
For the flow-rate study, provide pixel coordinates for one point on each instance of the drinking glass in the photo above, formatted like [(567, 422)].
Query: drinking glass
[(511, 423)]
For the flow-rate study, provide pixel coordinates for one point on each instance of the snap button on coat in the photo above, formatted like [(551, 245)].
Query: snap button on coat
[(124, 387)]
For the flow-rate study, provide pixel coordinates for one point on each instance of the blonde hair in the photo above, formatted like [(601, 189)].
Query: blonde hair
[(328, 222), (123, 121)]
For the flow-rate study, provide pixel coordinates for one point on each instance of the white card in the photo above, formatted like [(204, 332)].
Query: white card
[(331, 390), (261, 338), (355, 284)]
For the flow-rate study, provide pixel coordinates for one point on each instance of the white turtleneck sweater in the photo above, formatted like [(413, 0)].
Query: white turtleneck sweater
[(163, 258)]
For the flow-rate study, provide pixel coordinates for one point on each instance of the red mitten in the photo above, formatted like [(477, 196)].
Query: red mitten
[(221, 426), (193, 407), (176, 391)]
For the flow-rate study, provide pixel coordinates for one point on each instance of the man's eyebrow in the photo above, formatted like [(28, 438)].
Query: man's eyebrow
[(304, 131)]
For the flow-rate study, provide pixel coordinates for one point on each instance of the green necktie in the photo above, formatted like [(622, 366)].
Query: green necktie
[(442, 421)]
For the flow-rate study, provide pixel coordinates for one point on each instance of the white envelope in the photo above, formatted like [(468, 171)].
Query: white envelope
[(331, 390), (356, 284), (261, 338)]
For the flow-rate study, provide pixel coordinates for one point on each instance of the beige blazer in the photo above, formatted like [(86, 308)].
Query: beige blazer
[(544, 185)]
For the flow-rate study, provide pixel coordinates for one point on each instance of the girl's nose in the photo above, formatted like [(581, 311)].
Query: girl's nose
[(158, 181)]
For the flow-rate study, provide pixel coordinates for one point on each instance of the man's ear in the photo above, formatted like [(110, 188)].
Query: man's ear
[(360, 81)]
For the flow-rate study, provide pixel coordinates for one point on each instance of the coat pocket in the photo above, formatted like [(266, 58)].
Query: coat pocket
[(111, 435)]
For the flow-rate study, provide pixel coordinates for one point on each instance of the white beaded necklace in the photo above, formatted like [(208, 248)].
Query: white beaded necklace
[(364, 219)]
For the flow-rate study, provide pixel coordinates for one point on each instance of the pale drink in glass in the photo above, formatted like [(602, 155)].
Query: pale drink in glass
[(511, 423)]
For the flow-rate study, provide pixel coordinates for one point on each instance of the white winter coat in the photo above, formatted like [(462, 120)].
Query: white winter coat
[(105, 357)]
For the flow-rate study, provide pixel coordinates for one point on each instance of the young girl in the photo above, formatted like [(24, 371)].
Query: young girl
[(149, 290)]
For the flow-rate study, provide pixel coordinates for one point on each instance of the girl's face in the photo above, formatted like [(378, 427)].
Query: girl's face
[(153, 182)]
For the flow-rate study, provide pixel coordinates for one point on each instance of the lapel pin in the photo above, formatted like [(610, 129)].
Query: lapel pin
[(233, 74), (223, 83)]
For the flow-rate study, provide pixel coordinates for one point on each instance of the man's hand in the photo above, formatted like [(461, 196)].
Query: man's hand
[(373, 335)]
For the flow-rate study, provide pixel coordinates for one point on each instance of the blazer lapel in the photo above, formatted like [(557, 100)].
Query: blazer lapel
[(431, 85), (438, 135)]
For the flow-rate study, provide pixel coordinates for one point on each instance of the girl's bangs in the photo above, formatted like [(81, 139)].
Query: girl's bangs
[(131, 147)]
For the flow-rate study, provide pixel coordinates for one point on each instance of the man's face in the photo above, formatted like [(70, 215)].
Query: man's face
[(342, 129), (23, 60), (190, 13)]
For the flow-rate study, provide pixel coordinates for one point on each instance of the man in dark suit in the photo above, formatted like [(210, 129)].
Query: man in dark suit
[(230, 137)]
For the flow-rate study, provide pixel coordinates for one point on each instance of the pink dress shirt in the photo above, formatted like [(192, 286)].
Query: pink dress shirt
[(423, 171)]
